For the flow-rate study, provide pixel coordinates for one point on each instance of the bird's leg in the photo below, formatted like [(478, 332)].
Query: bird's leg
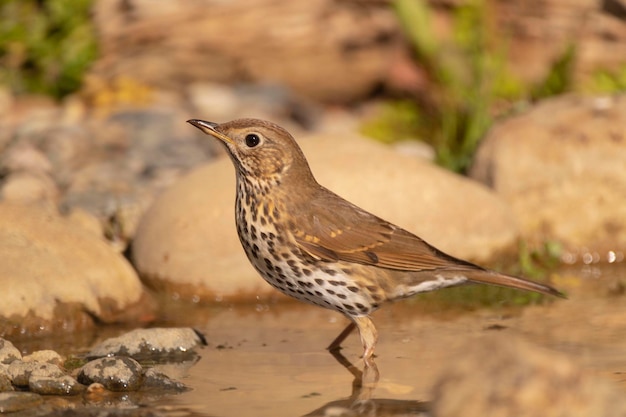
[(369, 336), (336, 344)]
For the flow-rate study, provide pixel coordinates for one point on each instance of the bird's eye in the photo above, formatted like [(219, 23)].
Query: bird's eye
[(252, 140)]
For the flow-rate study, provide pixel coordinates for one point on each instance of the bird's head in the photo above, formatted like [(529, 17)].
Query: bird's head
[(260, 150)]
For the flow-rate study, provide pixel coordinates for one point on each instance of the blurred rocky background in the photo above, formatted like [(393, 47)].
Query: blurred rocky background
[(490, 128)]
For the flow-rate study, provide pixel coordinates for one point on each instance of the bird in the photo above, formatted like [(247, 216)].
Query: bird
[(315, 246)]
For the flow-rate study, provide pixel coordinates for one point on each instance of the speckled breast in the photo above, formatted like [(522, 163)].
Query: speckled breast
[(272, 251)]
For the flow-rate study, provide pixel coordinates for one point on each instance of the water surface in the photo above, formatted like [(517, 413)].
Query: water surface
[(270, 360)]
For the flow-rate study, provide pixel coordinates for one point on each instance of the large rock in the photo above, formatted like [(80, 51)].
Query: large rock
[(504, 376), (327, 50), (562, 168), (187, 244), (55, 276)]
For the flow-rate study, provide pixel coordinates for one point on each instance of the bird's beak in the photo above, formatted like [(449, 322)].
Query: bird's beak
[(209, 129)]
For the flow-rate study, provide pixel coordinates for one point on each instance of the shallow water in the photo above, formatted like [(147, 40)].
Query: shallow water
[(271, 360)]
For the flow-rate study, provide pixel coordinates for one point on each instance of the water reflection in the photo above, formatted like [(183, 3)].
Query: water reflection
[(362, 401)]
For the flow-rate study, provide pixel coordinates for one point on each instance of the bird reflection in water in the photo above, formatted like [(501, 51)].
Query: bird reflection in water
[(361, 401)]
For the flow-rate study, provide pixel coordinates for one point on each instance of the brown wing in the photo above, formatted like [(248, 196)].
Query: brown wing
[(338, 230), (347, 233)]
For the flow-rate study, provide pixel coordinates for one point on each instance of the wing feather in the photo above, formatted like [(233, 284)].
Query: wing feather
[(347, 233)]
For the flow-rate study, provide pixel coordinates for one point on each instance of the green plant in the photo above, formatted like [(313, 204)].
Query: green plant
[(537, 262), (470, 82), (468, 74), (559, 77), (45, 45), (609, 82), (396, 120)]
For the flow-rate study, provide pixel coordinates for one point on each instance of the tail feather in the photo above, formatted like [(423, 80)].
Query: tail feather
[(425, 281), (503, 280)]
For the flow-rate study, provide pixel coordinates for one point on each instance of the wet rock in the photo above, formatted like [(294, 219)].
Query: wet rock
[(8, 352), (47, 356), (505, 376), (63, 385), (187, 245), (56, 276), (20, 372), (115, 374), (156, 344), (560, 166), (155, 380), (5, 382), (11, 402)]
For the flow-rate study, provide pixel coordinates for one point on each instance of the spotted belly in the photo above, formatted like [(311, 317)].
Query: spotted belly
[(319, 283), (282, 265)]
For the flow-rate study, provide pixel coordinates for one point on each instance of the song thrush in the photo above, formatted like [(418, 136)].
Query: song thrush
[(313, 245)]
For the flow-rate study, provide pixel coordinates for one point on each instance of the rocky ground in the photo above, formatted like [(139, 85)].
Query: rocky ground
[(44, 382)]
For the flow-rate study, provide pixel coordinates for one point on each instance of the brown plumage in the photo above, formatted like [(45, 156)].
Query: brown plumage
[(313, 245)]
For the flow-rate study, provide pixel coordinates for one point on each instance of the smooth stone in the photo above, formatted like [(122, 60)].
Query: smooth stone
[(561, 166), (504, 376), (186, 243), (115, 374), (29, 187), (8, 352), (64, 385), (47, 356), (57, 276), (20, 372), (155, 344)]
